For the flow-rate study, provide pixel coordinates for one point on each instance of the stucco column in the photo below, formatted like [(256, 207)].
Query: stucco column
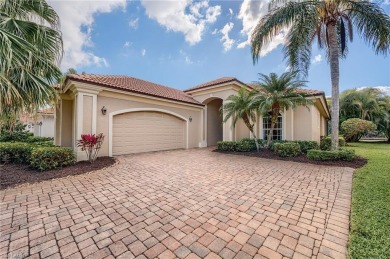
[(85, 118), (228, 129), (79, 115), (203, 128)]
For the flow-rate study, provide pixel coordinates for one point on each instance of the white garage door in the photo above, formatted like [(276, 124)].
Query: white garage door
[(136, 132)]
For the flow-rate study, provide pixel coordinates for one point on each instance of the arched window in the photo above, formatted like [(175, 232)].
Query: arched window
[(278, 128)]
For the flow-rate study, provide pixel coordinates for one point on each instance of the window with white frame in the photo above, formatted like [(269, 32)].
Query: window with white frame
[(278, 128)]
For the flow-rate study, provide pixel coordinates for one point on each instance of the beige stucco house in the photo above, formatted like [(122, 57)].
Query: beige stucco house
[(140, 116)]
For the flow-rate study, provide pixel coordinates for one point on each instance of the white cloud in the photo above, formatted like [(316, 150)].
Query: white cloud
[(215, 31), (187, 58), (227, 42), (231, 12), (317, 59), (74, 16), (127, 44), (134, 23), (251, 11), (187, 17), (383, 89), (143, 52)]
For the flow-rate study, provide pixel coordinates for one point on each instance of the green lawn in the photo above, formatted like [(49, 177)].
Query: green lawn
[(370, 218)]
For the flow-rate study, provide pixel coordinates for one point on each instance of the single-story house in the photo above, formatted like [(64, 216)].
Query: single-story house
[(140, 116), (40, 124)]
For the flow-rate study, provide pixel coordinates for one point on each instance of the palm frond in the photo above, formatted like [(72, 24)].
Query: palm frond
[(372, 23)]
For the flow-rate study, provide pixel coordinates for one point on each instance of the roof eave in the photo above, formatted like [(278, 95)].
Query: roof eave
[(132, 91)]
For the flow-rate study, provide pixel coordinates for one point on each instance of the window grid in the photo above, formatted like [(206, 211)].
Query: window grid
[(277, 133)]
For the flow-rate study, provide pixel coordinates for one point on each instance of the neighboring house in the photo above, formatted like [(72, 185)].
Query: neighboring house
[(140, 116), (40, 124)]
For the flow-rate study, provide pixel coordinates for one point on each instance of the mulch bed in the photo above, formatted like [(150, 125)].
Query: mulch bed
[(15, 174), (266, 153)]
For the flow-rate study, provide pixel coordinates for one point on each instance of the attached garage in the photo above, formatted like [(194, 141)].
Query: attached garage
[(145, 131)]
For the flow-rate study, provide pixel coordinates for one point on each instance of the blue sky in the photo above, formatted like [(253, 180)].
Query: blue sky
[(185, 43)]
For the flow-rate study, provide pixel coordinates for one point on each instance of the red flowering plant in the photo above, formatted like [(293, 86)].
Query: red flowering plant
[(91, 144)]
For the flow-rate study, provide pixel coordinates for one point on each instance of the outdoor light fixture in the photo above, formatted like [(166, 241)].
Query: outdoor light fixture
[(190, 119), (104, 110)]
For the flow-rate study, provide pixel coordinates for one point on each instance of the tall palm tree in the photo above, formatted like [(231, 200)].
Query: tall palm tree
[(274, 94), (241, 106), (30, 50), (332, 23)]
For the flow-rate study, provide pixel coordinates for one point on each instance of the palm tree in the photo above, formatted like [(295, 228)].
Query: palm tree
[(332, 23), (30, 49), (274, 94), (241, 106), (366, 101)]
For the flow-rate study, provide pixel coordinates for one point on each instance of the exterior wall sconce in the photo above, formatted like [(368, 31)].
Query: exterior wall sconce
[(190, 119), (104, 110)]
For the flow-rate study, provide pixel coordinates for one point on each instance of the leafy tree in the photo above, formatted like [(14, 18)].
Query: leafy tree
[(68, 72), (382, 118), (274, 94), (364, 101), (30, 49), (356, 128), (331, 22), (369, 104), (241, 106)]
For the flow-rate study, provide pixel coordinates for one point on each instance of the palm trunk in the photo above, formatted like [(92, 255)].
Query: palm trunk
[(250, 127), (274, 120), (256, 141), (271, 132), (334, 75)]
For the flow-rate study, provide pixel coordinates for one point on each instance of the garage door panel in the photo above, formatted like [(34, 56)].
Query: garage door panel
[(147, 131)]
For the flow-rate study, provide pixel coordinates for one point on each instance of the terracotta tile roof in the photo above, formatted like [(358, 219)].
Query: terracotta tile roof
[(302, 91), (218, 81), (135, 85), (46, 111)]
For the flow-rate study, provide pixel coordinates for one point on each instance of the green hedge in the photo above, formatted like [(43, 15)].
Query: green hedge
[(17, 136), (326, 143), (307, 145), (34, 139), (43, 144), (15, 152), (274, 142), (322, 155), (288, 149), (227, 145), (45, 158), (40, 155), (244, 145)]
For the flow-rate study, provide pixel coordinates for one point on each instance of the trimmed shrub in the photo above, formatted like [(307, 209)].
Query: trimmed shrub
[(43, 144), (323, 155), (307, 145), (16, 136), (34, 139), (227, 145), (355, 128), (274, 142), (251, 142), (288, 149), (326, 143), (45, 158), (245, 145), (15, 152)]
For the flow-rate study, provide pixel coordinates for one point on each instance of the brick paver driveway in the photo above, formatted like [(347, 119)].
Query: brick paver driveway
[(185, 204)]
